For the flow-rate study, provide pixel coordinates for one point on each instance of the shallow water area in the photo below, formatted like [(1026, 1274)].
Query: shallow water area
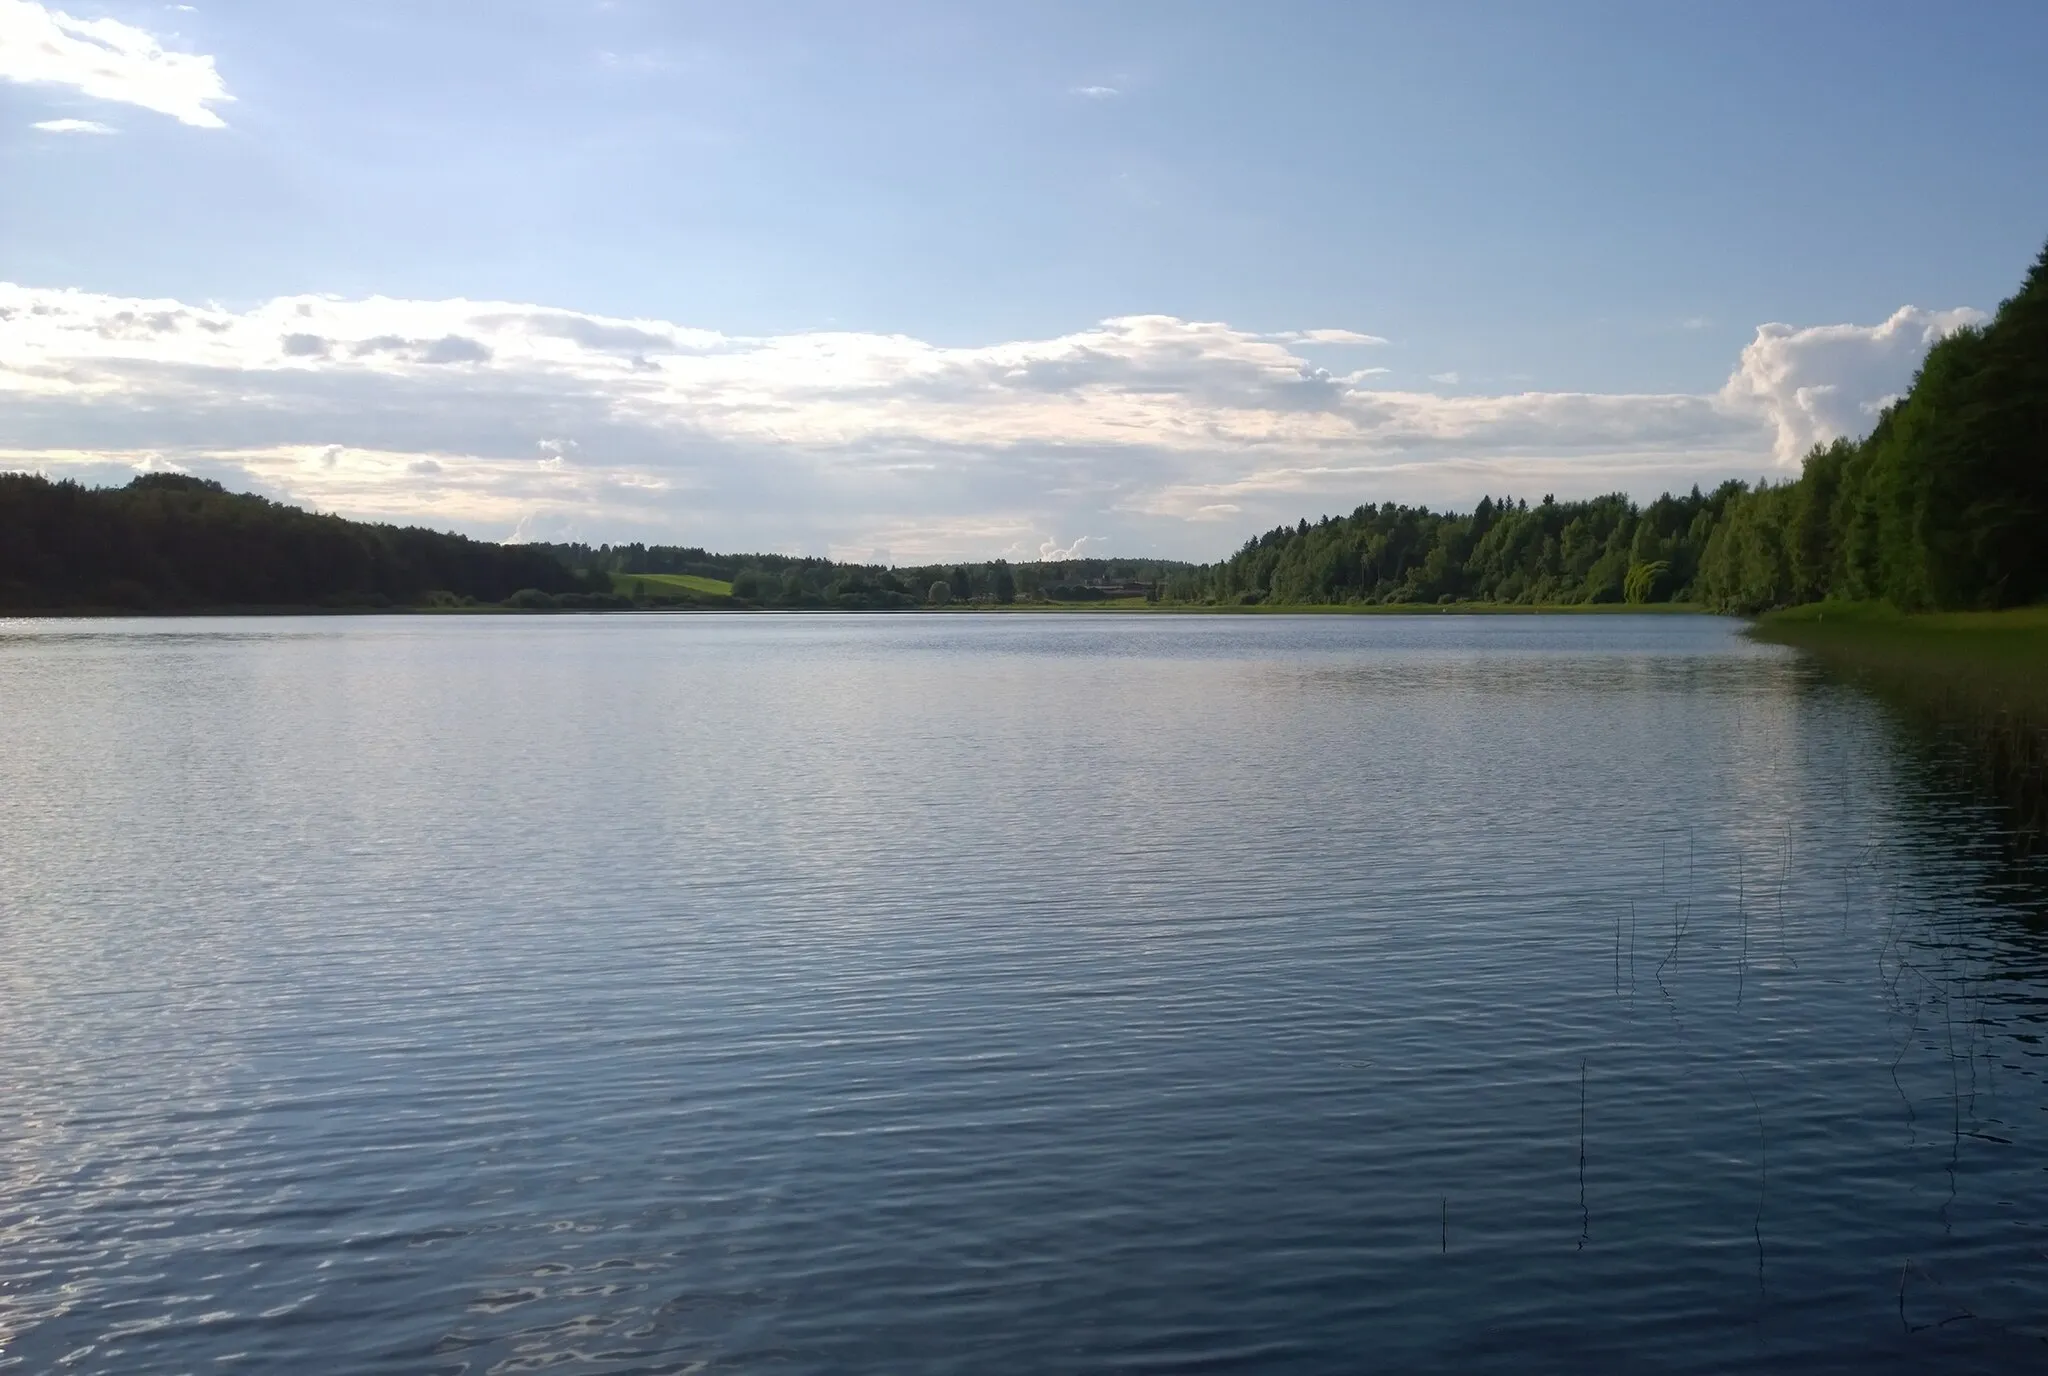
[(955, 993)]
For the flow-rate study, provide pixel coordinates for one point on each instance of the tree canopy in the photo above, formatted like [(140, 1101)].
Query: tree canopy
[(1606, 549), (170, 542), (1943, 505)]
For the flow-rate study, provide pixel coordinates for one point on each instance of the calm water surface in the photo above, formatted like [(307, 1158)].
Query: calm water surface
[(1067, 994)]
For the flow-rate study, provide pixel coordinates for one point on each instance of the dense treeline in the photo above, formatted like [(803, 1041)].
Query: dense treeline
[(1603, 550), (171, 542), (167, 541), (1943, 505), (781, 580), (1051, 580)]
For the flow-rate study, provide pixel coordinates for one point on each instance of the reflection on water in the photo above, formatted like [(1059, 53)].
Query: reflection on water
[(637, 994), (1994, 752)]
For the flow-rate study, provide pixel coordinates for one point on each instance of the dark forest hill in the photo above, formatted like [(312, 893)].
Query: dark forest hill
[(167, 542)]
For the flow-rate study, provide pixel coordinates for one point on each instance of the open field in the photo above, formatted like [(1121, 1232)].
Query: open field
[(669, 585)]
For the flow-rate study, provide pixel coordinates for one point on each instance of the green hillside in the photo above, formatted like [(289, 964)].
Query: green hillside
[(168, 542), (671, 587)]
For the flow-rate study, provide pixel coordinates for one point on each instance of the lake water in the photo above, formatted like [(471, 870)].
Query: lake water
[(1071, 993)]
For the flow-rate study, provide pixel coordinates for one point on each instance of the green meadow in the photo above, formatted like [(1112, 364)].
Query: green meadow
[(677, 587)]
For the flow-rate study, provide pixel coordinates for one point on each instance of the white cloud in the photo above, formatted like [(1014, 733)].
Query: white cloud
[(107, 60), (1050, 550), (72, 126), (1328, 337), (1097, 92), (1819, 383), (1448, 379), (1156, 434)]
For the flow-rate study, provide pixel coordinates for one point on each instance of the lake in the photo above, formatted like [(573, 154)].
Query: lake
[(955, 993)]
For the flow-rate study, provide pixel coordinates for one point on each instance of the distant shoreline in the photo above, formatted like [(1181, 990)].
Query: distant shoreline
[(957, 609)]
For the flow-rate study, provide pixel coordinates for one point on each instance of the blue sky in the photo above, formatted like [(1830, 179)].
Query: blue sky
[(1344, 253)]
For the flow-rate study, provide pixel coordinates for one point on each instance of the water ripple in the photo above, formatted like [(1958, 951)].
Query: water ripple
[(1071, 994)]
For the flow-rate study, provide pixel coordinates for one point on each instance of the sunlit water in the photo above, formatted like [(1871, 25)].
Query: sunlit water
[(1032, 993)]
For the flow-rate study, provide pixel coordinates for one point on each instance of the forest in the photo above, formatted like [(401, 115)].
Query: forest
[(168, 542), (1943, 506), (780, 580), (1553, 553)]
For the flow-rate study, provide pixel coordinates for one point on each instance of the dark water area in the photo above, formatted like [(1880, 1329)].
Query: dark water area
[(1987, 738), (1064, 994)]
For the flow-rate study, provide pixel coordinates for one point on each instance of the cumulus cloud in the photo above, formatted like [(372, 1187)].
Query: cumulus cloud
[(107, 60), (1826, 381), (72, 126), (1153, 433)]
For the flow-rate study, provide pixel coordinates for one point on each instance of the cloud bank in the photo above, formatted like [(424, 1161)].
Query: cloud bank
[(1826, 381), (1143, 433), (107, 60)]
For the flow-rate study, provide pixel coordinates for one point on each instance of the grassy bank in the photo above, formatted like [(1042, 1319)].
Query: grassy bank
[(1139, 604), (1971, 688), (1996, 660), (673, 587)]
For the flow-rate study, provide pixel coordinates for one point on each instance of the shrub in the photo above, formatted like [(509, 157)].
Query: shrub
[(1648, 582)]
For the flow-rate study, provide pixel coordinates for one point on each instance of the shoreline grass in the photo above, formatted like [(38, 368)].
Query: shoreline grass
[(1137, 604), (1973, 686), (1992, 659)]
